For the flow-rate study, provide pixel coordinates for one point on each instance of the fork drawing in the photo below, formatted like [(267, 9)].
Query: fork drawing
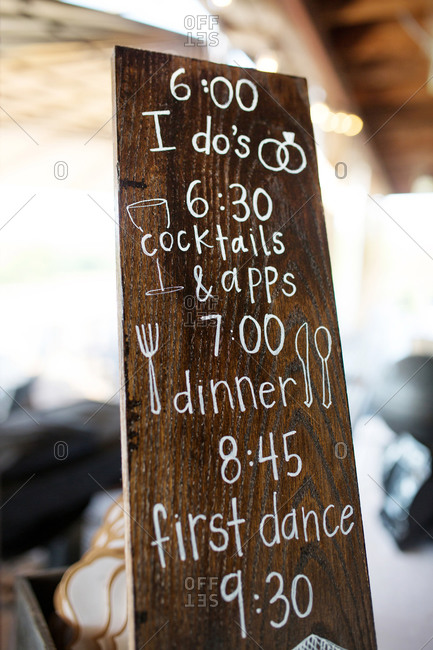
[(149, 349), (302, 350)]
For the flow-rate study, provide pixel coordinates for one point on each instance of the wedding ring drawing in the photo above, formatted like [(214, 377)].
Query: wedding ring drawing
[(282, 153)]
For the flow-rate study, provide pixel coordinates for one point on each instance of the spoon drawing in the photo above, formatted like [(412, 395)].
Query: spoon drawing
[(326, 386)]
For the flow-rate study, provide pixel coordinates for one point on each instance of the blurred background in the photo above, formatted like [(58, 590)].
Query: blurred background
[(369, 67)]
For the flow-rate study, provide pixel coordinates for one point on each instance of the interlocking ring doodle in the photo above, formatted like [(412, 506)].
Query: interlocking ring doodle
[(282, 153)]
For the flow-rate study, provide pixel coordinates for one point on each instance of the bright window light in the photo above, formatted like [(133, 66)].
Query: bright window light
[(165, 14), (221, 3), (267, 62)]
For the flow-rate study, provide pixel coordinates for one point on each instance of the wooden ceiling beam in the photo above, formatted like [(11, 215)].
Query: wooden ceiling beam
[(391, 143), (387, 75), (298, 15), (414, 91), (372, 42), (387, 70), (359, 12), (414, 113), (389, 64)]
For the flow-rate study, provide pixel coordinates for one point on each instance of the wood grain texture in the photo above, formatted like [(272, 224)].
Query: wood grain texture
[(173, 458), (379, 52)]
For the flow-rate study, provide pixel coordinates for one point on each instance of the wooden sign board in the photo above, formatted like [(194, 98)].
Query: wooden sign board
[(245, 528)]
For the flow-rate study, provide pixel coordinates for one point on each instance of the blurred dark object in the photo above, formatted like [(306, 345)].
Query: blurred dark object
[(52, 462), (410, 409), (407, 511), (35, 616)]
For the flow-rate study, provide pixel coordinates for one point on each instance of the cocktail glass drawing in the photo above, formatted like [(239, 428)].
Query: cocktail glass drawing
[(135, 213)]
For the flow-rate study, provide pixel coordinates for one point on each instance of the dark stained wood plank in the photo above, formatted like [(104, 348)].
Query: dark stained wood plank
[(209, 513)]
